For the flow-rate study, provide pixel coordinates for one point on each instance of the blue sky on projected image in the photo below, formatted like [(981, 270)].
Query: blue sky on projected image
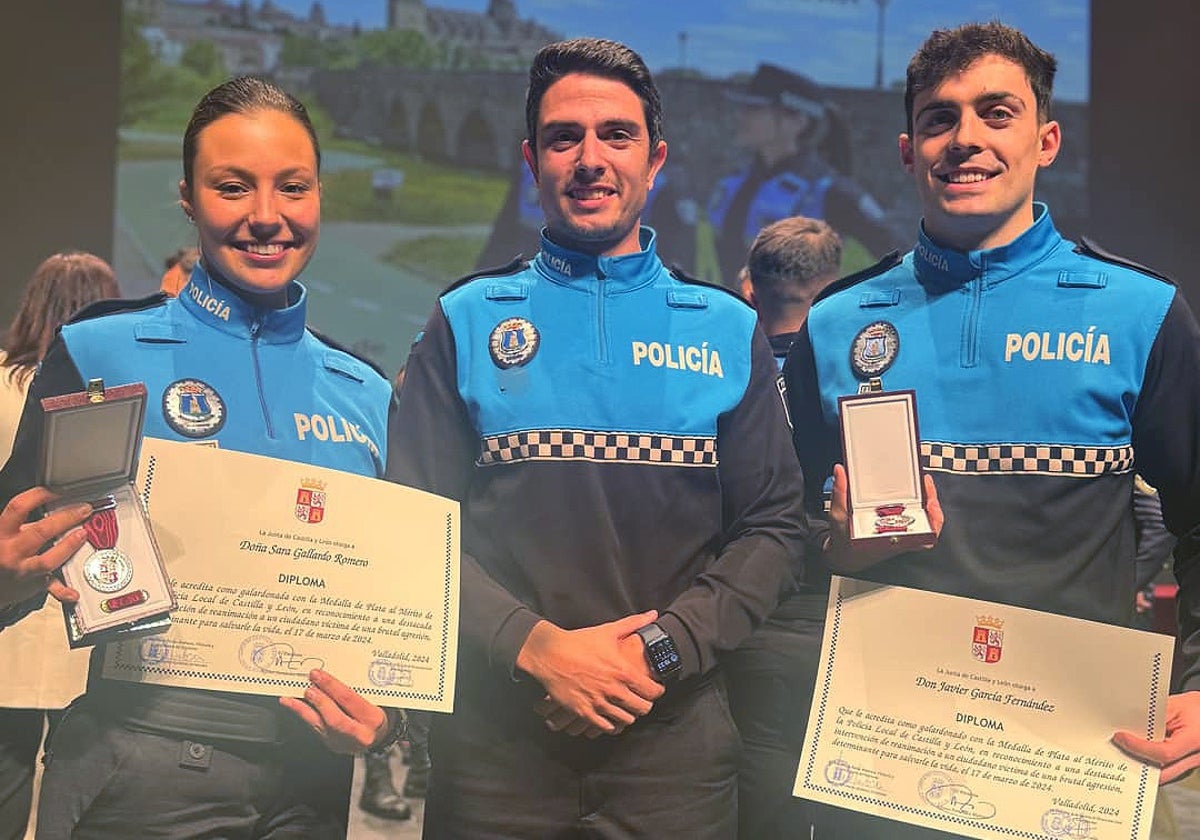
[(834, 41)]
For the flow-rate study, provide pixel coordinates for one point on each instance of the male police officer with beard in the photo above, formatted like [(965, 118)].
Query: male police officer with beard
[(578, 406)]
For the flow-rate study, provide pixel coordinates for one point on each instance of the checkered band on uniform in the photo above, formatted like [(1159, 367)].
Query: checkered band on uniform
[(1035, 458), (615, 447)]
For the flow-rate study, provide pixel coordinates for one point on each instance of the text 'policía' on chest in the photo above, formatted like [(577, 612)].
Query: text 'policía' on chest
[(330, 428), (698, 359), (1086, 347)]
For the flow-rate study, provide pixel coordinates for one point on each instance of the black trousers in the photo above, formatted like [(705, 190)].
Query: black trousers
[(20, 737), (770, 678), (106, 782), (499, 773)]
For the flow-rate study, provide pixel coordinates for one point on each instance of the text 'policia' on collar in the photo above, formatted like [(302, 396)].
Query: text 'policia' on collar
[(624, 272), (945, 268), (210, 300)]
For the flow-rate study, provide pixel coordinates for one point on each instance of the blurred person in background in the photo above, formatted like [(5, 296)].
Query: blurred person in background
[(178, 269), (772, 673), (1154, 546), (62, 285), (800, 164), (41, 673), (790, 262)]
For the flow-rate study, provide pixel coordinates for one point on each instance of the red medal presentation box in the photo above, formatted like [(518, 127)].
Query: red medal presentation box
[(886, 493), (90, 445)]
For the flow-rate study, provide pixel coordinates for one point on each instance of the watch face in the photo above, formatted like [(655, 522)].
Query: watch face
[(661, 653), (664, 658)]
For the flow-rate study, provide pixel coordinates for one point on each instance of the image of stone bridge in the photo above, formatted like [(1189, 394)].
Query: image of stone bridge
[(477, 120)]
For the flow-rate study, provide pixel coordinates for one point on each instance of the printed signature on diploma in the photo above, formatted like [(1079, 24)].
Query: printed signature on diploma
[(263, 654), (941, 791), (1059, 823), (843, 774), (384, 673), (156, 651)]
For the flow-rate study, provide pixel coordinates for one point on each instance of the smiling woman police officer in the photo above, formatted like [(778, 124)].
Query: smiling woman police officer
[(132, 760)]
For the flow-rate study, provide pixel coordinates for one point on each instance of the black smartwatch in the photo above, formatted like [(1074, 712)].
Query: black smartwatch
[(661, 653)]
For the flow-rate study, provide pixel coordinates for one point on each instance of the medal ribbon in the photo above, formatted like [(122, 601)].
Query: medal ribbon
[(101, 526)]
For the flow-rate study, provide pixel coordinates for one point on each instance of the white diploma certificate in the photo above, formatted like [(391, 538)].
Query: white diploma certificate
[(981, 719), (281, 567)]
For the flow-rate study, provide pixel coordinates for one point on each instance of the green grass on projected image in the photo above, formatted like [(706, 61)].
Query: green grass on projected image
[(438, 259)]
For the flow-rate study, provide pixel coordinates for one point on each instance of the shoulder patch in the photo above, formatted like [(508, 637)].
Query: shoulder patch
[(329, 342), (682, 276), (888, 262), (110, 307), (1088, 248), (519, 263)]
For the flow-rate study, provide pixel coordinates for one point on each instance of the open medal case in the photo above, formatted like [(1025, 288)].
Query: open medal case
[(883, 464), (90, 445)]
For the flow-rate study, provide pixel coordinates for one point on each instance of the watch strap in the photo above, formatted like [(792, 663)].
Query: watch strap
[(652, 633), (397, 730)]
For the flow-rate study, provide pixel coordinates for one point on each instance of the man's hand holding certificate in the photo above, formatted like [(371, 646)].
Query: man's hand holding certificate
[(282, 569), (982, 719), (1179, 754)]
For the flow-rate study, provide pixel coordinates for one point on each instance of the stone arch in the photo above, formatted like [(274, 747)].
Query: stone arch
[(357, 107), (477, 142), (395, 129), (363, 97), (431, 133)]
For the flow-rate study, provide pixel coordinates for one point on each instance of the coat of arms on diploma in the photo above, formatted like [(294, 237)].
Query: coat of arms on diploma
[(310, 501), (987, 638)]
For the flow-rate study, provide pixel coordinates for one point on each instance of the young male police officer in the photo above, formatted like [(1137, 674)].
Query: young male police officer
[(1046, 374), (578, 406)]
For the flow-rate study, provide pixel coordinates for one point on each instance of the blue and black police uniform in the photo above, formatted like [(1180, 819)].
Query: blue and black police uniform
[(618, 442), (1046, 373), (134, 760)]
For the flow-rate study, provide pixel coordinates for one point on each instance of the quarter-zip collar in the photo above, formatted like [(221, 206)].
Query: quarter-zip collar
[(213, 303), (942, 269), (623, 273)]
